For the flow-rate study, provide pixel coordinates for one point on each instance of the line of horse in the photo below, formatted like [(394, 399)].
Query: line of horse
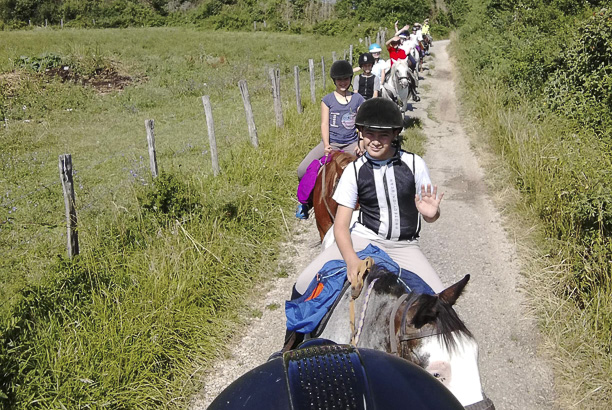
[(421, 328)]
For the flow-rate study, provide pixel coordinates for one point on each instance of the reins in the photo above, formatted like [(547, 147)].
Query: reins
[(356, 288), (324, 182)]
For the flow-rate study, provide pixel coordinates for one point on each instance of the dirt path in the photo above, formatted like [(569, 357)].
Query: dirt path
[(468, 238)]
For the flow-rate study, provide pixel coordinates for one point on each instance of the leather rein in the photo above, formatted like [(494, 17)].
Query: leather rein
[(406, 335)]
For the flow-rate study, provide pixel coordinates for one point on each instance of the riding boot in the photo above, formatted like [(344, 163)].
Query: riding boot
[(292, 338)]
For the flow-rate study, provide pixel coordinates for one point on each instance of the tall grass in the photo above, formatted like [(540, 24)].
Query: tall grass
[(152, 298), (554, 181)]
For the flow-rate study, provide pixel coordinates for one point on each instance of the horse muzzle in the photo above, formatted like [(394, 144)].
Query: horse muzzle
[(403, 81)]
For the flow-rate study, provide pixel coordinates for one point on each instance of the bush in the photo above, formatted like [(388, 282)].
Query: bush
[(581, 87), (168, 197)]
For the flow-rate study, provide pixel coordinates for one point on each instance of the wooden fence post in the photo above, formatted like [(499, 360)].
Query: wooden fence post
[(278, 108), (211, 134), (246, 99), (344, 55), (311, 69), (254, 26), (150, 126), (323, 71), (298, 94), (334, 58), (94, 21), (351, 54), (61, 23), (45, 23), (65, 169)]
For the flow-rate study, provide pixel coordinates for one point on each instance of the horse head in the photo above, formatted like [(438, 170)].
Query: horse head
[(421, 328), (400, 73)]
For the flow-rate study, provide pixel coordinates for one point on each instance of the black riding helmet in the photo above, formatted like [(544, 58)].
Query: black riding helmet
[(341, 69), (379, 113), (366, 58), (323, 375)]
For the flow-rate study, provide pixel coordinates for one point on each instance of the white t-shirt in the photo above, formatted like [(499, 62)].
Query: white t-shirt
[(380, 66), (409, 44)]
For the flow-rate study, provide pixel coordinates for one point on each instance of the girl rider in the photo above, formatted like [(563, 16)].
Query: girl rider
[(366, 84), (395, 193), (338, 131), (395, 53), (380, 65)]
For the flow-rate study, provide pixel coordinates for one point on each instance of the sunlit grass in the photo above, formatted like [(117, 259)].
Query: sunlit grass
[(545, 171), (152, 298)]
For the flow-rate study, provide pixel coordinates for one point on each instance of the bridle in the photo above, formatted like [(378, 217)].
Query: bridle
[(406, 335), (399, 79)]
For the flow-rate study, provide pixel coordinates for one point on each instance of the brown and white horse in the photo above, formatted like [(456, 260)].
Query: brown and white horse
[(423, 329)]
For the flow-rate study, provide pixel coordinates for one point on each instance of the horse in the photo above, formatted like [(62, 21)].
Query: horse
[(421, 328), (400, 84), (327, 179)]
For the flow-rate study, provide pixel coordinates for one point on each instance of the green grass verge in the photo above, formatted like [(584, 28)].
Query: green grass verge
[(553, 180), (165, 264)]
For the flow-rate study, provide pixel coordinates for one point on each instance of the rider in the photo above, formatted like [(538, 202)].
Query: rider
[(380, 65), (418, 35), (338, 131), (426, 34), (395, 53), (395, 193), (366, 84)]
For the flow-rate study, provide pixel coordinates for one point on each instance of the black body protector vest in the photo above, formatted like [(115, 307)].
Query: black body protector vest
[(366, 86), (386, 197)]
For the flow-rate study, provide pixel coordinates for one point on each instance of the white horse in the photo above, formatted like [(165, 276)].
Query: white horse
[(398, 84)]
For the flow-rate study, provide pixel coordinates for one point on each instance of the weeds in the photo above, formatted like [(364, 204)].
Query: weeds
[(560, 172)]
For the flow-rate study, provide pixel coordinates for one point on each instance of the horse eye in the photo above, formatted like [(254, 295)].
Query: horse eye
[(436, 375)]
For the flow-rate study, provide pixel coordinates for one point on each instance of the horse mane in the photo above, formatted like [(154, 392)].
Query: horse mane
[(387, 282), (430, 309)]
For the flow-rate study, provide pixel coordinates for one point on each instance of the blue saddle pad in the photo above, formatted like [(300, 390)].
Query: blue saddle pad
[(305, 313)]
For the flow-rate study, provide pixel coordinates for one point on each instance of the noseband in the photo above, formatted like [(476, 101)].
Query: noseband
[(406, 335)]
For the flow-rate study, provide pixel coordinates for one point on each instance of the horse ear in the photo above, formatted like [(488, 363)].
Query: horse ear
[(427, 311), (452, 293)]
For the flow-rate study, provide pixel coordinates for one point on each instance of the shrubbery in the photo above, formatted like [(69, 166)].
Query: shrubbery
[(538, 74), (297, 16), (581, 86)]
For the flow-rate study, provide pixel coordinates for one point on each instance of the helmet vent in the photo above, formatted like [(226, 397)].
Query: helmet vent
[(343, 386)]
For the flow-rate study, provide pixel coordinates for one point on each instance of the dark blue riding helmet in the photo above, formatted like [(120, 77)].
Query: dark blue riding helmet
[(324, 375)]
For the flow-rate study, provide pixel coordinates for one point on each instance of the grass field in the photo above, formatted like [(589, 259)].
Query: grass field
[(153, 295)]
